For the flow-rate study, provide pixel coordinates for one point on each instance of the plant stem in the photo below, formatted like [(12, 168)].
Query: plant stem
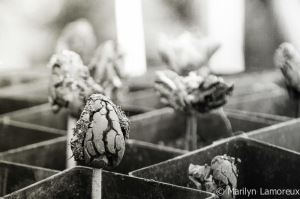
[(70, 162), (191, 131), (226, 121)]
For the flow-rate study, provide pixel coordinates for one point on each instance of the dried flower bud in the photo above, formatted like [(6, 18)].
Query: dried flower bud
[(222, 174), (192, 92), (100, 133), (70, 83)]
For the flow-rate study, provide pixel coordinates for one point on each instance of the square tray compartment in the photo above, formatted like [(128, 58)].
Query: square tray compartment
[(43, 116), (16, 134), (165, 126), (16, 176), (262, 166), (286, 135), (77, 183), (51, 154)]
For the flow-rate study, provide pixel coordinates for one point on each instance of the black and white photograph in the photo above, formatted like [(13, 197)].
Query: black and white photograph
[(149, 99)]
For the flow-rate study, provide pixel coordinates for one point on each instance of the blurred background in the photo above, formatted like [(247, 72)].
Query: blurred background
[(249, 30)]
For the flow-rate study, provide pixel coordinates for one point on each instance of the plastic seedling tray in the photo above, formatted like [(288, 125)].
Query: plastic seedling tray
[(166, 127), (285, 135), (50, 154), (77, 183), (17, 134), (43, 116), (16, 176), (12, 103), (263, 166)]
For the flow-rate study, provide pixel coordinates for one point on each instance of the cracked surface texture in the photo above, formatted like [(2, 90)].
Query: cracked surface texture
[(222, 174), (70, 83), (100, 133), (197, 92)]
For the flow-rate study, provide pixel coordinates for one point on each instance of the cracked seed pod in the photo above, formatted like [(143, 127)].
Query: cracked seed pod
[(224, 170), (78, 36), (288, 60), (222, 174), (189, 52), (202, 94), (100, 133), (201, 177), (70, 83), (107, 67)]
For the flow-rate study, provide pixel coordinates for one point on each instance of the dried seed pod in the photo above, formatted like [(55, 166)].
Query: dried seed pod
[(78, 36), (288, 60), (222, 174), (224, 170), (107, 67), (100, 133), (192, 92), (70, 83), (200, 176), (188, 52)]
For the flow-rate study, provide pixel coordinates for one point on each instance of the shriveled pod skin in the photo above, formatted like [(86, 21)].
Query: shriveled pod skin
[(211, 94), (201, 93), (100, 133), (288, 60), (222, 174), (70, 83), (107, 67), (224, 171), (201, 176)]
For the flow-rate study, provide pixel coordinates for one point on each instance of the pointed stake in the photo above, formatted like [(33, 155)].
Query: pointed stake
[(96, 184)]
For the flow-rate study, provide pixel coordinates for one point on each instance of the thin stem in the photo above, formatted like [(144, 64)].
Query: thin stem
[(226, 121), (191, 131)]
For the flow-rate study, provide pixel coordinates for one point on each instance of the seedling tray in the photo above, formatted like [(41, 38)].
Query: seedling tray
[(263, 166), (77, 183)]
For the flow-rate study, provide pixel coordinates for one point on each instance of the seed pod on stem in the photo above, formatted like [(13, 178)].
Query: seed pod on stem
[(70, 85), (100, 133), (192, 94)]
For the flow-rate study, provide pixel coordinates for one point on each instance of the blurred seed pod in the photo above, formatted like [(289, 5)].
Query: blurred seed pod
[(107, 67), (188, 52), (100, 133), (202, 94), (78, 36), (70, 83), (221, 175), (224, 170)]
